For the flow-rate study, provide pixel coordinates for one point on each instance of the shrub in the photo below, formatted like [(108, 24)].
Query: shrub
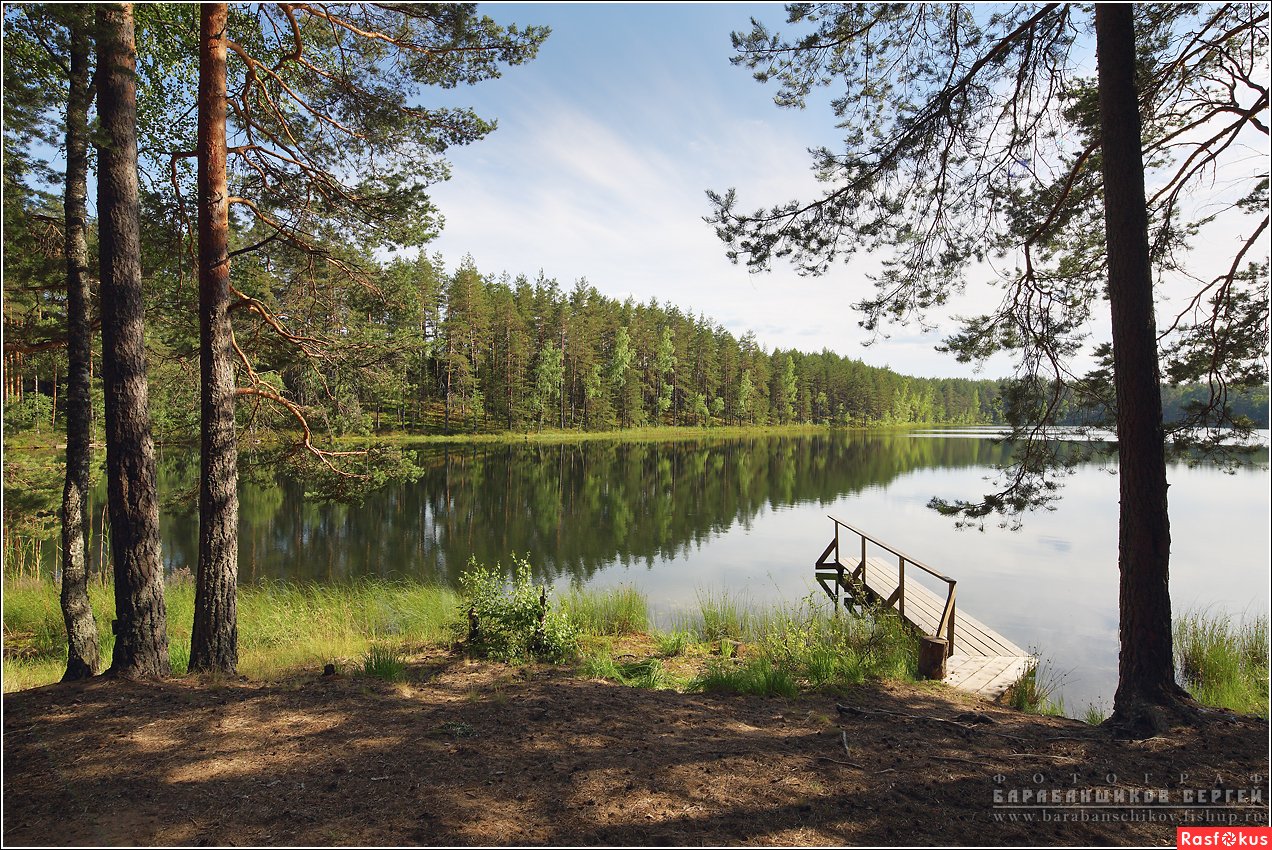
[(514, 621)]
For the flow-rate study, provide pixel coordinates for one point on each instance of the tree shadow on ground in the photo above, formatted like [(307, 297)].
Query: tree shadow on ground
[(480, 753)]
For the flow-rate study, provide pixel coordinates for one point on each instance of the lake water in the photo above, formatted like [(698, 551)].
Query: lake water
[(749, 517)]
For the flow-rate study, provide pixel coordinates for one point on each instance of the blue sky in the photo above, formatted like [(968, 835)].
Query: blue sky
[(606, 145)]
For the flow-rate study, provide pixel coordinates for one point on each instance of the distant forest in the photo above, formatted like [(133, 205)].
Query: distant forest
[(405, 345)]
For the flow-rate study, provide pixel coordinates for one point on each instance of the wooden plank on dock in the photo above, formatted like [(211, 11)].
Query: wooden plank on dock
[(923, 609), (987, 675)]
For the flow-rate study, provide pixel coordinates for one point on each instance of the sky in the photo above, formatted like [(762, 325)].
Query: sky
[(606, 145)]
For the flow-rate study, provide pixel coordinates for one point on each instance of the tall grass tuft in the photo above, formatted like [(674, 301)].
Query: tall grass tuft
[(804, 646), (828, 651), (614, 612), (758, 676), (1222, 663), (721, 617), (671, 644), (384, 662), (641, 673), (1033, 692)]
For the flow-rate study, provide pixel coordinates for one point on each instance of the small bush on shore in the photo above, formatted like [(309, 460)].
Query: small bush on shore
[(512, 621)]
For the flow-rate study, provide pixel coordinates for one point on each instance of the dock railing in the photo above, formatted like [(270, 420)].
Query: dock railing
[(857, 574)]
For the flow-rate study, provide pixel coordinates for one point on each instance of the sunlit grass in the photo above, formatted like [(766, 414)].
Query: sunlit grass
[(1224, 663), (617, 611), (373, 626), (758, 676), (721, 616), (285, 627), (827, 650), (672, 644), (640, 673), (1037, 692), (1094, 715), (282, 627), (785, 649)]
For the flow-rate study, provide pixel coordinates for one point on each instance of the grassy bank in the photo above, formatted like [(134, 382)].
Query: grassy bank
[(662, 433), (373, 626), (724, 645), (282, 627)]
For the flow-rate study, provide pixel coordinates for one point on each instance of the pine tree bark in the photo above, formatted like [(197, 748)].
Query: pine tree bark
[(141, 634), (214, 642), (82, 655), (1146, 673)]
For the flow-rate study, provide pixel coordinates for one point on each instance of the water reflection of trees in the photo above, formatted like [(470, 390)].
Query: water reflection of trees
[(571, 508)]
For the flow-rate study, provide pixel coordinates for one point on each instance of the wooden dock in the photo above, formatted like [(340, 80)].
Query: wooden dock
[(979, 659)]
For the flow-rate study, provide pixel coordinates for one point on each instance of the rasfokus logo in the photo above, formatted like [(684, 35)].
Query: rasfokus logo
[(1223, 836)]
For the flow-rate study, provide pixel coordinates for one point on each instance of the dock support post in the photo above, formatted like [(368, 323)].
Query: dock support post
[(932, 657)]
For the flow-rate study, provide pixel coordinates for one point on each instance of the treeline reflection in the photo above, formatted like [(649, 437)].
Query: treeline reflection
[(572, 509)]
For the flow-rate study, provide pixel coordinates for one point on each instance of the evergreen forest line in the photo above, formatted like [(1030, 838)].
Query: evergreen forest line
[(407, 346)]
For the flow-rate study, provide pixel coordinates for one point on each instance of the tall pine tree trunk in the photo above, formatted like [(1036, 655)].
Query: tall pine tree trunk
[(141, 633), (214, 642), (81, 631), (1146, 673)]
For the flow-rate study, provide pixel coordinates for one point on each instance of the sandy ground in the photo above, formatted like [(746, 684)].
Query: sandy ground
[(479, 753)]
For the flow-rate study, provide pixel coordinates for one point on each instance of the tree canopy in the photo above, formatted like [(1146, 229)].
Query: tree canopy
[(971, 152)]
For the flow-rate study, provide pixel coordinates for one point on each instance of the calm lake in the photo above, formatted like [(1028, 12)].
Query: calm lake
[(749, 517)]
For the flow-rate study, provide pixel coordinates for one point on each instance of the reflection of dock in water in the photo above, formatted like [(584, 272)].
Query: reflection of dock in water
[(972, 656)]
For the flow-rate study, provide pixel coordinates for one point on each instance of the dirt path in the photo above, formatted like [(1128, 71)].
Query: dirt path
[(478, 753)]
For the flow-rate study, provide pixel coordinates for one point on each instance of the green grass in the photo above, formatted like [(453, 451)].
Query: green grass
[(758, 676), (384, 662), (782, 650), (640, 673), (1035, 693), (282, 627), (35, 635), (823, 650), (614, 612), (1224, 663), (373, 626), (721, 617), (672, 644)]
